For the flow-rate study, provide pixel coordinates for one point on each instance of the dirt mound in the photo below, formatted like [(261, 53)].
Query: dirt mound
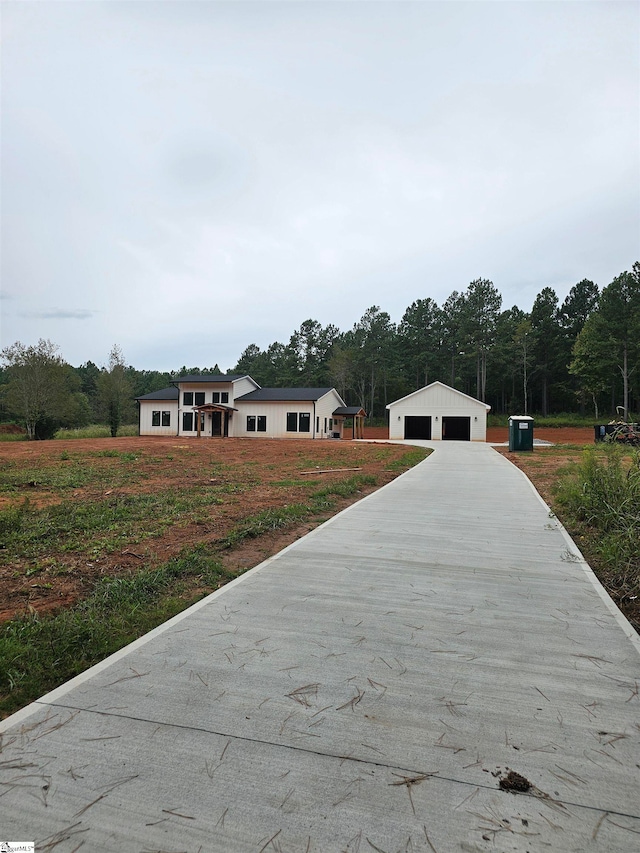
[(12, 429)]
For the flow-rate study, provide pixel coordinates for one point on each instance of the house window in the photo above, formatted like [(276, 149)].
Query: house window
[(251, 423), (224, 397), (305, 422), (216, 397), (330, 424), (199, 398), (187, 398), (166, 419), (187, 421), (318, 423), (262, 423), (155, 418), (325, 424), (292, 422)]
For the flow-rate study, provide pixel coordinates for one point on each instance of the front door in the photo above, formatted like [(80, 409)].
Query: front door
[(216, 425)]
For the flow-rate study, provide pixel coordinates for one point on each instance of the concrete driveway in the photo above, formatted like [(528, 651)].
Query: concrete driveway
[(370, 688)]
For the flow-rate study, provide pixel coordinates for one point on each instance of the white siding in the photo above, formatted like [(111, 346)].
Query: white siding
[(206, 388), (147, 407), (276, 414), (438, 401), (325, 407), (243, 386)]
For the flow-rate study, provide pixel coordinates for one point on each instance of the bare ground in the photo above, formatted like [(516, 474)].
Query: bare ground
[(251, 476)]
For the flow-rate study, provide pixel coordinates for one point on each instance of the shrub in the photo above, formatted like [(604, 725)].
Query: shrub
[(602, 495)]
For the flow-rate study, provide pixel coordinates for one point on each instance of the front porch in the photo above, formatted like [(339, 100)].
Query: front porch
[(212, 420)]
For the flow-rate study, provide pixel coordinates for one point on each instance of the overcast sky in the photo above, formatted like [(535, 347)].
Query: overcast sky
[(186, 178)]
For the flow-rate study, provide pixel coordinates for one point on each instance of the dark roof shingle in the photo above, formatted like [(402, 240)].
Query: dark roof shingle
[(210, 377), (170, 393), (293, 395), (348, 411)]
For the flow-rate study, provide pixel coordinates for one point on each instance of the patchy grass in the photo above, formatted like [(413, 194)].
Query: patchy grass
[(39, 653), (275, 519), (98, 526), (75, 583)]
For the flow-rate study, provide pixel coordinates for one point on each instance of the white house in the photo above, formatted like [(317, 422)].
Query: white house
[(237, 406), (438, 412)]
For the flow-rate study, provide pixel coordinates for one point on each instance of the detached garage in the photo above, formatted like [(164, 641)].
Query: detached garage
[(438, 412)]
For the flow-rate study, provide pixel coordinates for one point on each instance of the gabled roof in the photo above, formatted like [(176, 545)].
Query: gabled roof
[(350, 411), (447, 388), (170, 393), (212, 377), (293, 395)]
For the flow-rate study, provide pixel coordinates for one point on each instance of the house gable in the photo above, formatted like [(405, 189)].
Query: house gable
[(436, 412), (438, 391)]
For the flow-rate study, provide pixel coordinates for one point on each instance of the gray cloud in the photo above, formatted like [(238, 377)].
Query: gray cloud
[(58, 314), (240, 167)]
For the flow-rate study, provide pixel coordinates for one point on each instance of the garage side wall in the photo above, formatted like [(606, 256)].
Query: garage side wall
[(438, 402)]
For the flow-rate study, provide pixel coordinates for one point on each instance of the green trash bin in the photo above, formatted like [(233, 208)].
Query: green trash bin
[(520, 432)]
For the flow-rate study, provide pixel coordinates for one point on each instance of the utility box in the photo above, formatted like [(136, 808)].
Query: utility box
[(603, 430), (520, 432)]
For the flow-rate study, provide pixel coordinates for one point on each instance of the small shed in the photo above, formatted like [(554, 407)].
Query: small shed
[(438, 412)]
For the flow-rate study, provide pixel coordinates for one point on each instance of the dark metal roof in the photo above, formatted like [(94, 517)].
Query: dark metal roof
[(284, 394), (211, 377), (349, 411), (171, 393)]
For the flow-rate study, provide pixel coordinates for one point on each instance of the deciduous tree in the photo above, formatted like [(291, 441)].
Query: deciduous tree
[(39, 388), (114, 390)]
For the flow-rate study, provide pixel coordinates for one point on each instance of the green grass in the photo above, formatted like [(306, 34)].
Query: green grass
[(96, 431), (14, 477), (599, 499), (39, 653), (409, 459), (264, 522), (563, 419)]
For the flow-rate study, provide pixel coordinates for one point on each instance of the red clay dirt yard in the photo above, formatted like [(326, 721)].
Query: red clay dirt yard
[(160, 495)]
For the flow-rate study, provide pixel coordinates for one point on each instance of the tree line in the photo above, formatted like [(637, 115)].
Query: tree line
[(581, 355), (576, 356)]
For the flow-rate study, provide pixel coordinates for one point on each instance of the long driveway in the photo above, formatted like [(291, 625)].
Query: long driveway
[(370, 688)]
